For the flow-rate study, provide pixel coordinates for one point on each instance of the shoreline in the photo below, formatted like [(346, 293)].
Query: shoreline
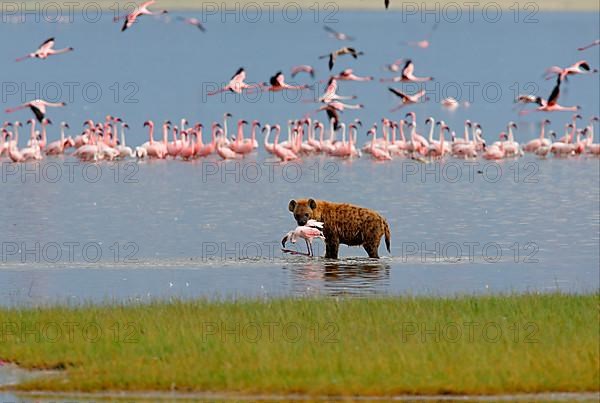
[(553, 396), (443, 7)]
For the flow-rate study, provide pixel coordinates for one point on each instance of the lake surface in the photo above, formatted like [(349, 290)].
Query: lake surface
[(74, 232)]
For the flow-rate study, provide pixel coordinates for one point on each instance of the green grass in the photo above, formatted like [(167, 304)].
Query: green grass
[(346, 346)]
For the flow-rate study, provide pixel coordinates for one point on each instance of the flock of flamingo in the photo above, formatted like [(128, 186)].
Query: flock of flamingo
[(106, 140)]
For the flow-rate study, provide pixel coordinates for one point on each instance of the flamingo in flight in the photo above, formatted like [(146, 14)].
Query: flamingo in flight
[(237, 84), (342, 51), (408, 75), (551, 105), (348, 75), (425, 43), (407, 99), (337, 35), (581, 67), (278, 83), (330, 93), (131, 18), (37, 106), (303, 68), (192, 21), (591, 45), (46, 49)]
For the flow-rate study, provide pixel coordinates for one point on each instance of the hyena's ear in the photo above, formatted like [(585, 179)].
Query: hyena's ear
[(312, 204), (292, 205)]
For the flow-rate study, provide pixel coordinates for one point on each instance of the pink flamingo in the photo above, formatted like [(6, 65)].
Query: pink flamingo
[(58, 147), (238, 145), (340, 36), (552, 104), (534, 144), (310, 231), (581, 67), (377, 153), (340, 52), (408, 75), (192, 21), (174, 147), (437, 149), (303, 68), (278, 84), (595, 43), (142, 9), (208, 149), (153, 148), (496, 150), (284, 154), (330, 93), (425, 43), (37, 106), (270, 147), (236, 84), (189, 147), (408, 99), (348, 75), (46, 49)]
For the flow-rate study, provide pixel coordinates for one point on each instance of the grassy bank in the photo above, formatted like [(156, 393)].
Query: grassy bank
[(395, 5), (391, 345)]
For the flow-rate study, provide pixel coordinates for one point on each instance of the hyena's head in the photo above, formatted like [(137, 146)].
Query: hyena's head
[(303, 210)]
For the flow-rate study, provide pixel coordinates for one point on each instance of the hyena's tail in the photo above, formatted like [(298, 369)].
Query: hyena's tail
[(386, 229)]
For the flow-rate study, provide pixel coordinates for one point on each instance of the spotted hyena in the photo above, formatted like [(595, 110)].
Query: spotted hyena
[(343, 223)]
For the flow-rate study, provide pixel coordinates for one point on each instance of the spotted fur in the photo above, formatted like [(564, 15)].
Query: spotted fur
[(344, 223)]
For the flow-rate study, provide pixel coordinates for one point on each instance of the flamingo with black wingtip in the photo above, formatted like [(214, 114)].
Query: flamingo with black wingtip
[(45, 49), (142, 9)]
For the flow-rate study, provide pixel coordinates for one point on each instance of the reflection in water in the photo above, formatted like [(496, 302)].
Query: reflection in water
[(335, 278)]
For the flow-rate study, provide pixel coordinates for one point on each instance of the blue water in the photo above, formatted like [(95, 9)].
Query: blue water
[(161, 229)]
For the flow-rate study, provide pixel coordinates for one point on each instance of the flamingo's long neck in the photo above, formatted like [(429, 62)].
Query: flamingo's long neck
[(240, 133), (431, 129), (277, 131), (151, 134), (321, 131), (268, 132), (374, 133), (542, 131), (32, 134), (123, 143), (165, 139), (225, 126), (343, 125), (401, 128)]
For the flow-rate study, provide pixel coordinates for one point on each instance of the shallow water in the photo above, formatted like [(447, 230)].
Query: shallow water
[(160, 229)]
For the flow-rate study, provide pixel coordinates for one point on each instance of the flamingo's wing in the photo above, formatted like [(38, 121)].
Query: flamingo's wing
[(386, 3), (239, 75), (398, 93), (39, 114), (276, 80), (553, 98), (47, 45), (330, 30), (331, 61), (333, 114), (409, 68), (419, 94), (147, 4)]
